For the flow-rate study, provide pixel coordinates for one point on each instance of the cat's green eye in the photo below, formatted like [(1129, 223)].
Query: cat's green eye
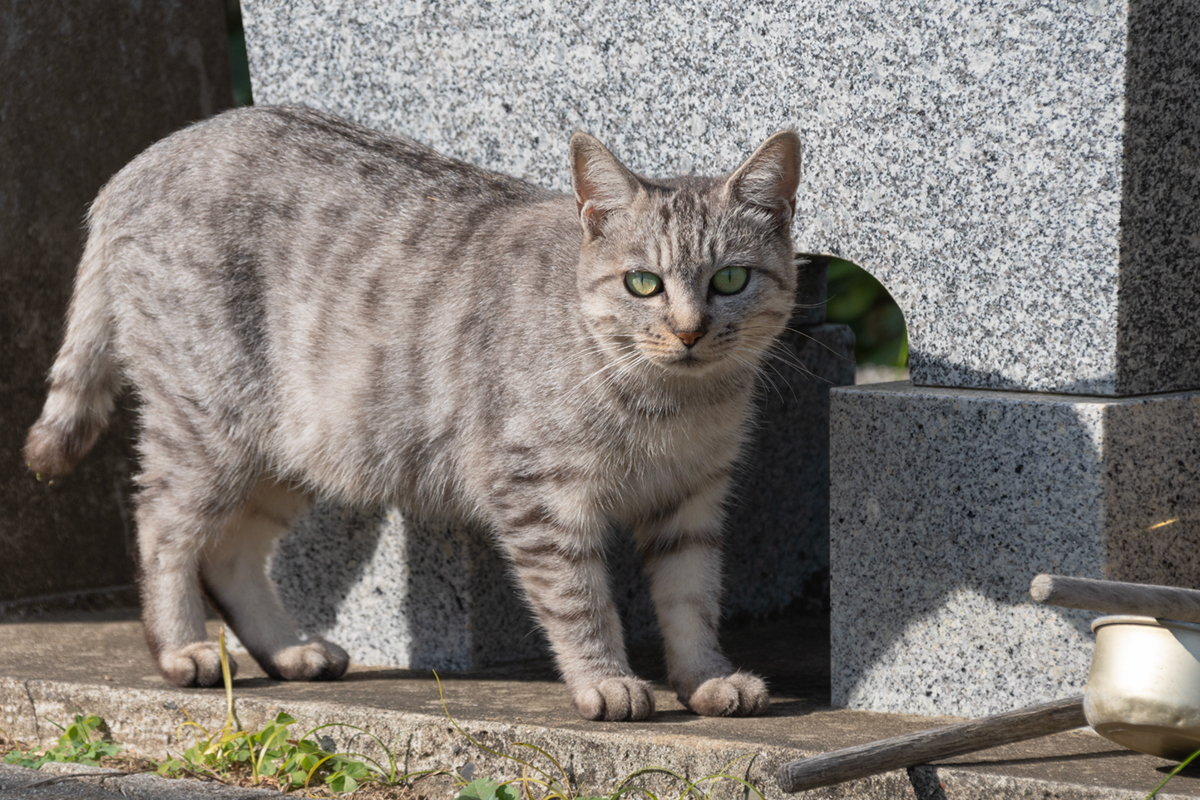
[(642, 284), (730, 280)]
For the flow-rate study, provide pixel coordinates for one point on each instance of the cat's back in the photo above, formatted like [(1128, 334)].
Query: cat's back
[(336, 297), (293, 155)]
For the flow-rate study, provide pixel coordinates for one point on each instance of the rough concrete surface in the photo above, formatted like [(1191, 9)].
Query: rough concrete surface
[(80, 782), (53, 668)]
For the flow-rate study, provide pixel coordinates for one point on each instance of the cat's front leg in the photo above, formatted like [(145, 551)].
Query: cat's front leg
[(563, 574), (682, 554)]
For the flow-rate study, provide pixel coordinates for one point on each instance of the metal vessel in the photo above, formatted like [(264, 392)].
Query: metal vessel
[(1144, 688)]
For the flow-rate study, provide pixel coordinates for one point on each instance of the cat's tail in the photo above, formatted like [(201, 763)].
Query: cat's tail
[(84, 380)]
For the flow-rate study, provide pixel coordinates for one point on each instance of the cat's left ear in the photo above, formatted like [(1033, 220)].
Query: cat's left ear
[(768, 179), (602, 184)]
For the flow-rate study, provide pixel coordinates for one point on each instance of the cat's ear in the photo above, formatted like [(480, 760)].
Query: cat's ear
[(602, 184), (768, 179)]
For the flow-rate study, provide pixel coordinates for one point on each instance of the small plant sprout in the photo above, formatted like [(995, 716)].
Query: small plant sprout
[(1182, 766), (84, 741)]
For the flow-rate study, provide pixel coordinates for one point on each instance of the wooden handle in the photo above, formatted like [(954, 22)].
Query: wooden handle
[(1110, 597), (924, 746)]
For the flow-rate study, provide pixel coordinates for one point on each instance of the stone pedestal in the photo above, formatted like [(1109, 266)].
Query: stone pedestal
[(947, 502), (86, 88)]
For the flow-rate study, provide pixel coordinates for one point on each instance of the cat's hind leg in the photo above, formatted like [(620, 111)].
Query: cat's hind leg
[(234, 574), (176, 518), (682, 554)]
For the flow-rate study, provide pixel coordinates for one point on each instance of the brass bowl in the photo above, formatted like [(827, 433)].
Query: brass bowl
[(1144, 688)]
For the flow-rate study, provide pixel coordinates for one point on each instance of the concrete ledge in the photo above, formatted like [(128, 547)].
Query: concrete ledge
[(49, 670)]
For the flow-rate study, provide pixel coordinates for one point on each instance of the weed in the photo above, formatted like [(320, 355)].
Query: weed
[(272, 755), (84, 741), (1182, 765)]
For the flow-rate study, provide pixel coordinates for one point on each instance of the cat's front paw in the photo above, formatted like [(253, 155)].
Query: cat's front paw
[(624, 699), (315, 660), (196, 664), (741, 694)]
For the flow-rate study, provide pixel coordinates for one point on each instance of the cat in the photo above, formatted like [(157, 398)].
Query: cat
[(306, 308)]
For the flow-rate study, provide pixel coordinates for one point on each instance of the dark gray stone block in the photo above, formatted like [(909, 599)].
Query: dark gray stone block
[(85, 89)]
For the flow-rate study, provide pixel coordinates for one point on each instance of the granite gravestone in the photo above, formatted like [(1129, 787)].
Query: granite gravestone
[(1068, 275)]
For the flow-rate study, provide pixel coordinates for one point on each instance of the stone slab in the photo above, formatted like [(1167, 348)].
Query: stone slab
[(83, 93), (99, 664), (944, 505), (1020, 175), (417, 593)]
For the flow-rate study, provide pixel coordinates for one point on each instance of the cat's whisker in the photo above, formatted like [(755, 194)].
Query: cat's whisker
[(617, 363), (841, 356), (781, 354)]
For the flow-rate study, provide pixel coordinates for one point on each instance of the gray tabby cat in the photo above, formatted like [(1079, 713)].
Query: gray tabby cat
[(310, 309)]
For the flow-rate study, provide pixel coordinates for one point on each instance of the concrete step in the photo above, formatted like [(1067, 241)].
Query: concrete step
[(54, 667)]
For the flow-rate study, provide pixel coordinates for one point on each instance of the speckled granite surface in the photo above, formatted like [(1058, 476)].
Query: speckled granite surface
[(1019, 173), (404, 593), (944, 505)]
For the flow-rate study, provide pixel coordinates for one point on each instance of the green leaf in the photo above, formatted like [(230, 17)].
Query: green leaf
[(341, 783), (484, 789)]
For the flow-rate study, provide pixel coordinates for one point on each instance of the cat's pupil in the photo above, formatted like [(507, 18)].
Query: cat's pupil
[(730, 280), (642, 284)]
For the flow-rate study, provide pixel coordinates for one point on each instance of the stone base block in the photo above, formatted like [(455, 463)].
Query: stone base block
[(411, 593), (944, 505)]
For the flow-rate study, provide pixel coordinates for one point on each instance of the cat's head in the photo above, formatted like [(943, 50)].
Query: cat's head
[(692, 274)]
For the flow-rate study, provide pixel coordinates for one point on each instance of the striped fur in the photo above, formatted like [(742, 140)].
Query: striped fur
[(308, 308)]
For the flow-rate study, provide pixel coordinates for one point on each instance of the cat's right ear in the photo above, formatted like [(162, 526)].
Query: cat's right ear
[(602, 184), (769, 178)]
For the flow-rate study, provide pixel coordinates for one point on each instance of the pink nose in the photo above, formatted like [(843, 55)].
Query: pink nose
[(689, 337)]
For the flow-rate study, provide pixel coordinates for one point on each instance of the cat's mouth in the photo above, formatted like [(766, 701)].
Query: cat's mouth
[(689, 362)]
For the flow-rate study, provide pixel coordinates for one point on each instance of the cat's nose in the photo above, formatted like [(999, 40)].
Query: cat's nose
[(689, 337)]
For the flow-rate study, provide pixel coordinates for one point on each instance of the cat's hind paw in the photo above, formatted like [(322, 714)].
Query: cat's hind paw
[(625, 699), (196, 664), (315, 660), (741, 694)]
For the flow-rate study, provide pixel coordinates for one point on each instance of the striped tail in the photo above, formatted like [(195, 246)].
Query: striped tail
[(84, 380)]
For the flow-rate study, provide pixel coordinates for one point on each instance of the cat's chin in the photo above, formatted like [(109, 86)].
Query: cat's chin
[(693, 367)]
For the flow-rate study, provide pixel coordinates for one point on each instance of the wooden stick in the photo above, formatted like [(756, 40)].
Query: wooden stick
[(1110, 597), (924, 746)]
